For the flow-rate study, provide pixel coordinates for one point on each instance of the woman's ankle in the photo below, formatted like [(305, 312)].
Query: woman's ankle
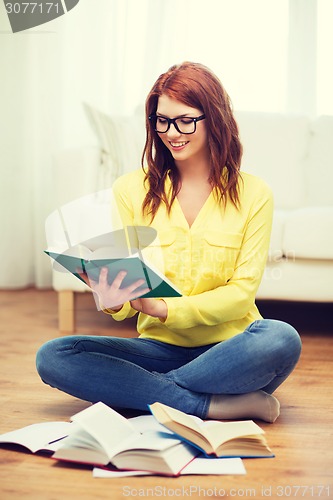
[(256, 404)]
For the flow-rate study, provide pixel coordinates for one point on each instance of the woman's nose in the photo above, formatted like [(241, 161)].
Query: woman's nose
[(173, 132)]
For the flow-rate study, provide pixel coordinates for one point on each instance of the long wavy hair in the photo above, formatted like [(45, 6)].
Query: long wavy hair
[(196, 86)]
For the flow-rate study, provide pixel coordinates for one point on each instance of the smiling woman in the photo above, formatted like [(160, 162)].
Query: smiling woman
[(208, 352), (198, 155), (182, 134)]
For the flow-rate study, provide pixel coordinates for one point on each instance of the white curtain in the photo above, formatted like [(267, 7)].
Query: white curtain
[(95, 54), (108, 53)]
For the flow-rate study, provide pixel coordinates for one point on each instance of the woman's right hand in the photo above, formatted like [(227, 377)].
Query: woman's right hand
[(112, 296)]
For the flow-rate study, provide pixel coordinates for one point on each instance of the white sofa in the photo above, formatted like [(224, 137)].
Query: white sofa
[(294, 154)]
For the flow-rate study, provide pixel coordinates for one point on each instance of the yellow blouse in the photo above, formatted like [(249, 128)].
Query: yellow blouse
[(217, 263)]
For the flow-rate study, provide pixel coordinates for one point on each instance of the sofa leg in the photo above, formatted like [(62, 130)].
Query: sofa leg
[(66, 311)]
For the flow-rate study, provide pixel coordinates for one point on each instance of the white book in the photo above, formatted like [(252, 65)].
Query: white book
[(198, 466)]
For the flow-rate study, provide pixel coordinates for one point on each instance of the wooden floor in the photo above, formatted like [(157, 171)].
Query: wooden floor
[(301, 438)]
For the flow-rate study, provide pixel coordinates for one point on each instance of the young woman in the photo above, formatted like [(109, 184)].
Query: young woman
[(208, 353)]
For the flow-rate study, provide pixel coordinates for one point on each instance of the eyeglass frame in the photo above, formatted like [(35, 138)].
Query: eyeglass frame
[(173, 121)]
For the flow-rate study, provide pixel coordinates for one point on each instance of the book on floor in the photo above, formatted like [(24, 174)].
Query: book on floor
[(42, 437), (199, 466), (102, 436), (116, 253), (215, 438)]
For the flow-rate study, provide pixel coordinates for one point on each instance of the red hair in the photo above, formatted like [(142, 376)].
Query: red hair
[(196, 86)]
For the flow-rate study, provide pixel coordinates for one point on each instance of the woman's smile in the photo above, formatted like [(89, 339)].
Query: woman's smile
[(177, 146)]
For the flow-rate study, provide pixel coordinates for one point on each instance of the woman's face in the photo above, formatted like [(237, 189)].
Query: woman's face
[(183, 147)]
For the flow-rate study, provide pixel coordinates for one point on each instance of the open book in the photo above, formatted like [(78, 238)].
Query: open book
[(103, 436), (199, 466), (222, 439), (43, 437), (117, 253)]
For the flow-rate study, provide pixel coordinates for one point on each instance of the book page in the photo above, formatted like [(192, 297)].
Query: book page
[(105, 473), (217, 466), (151, 440), (220, 432), (147, 423), (111, 245), (107, 426), (37, 437), (198, 466), (165, 414)]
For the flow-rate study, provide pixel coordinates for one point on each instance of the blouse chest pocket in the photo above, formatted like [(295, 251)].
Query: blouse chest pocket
[(218, 254), (162, 239)]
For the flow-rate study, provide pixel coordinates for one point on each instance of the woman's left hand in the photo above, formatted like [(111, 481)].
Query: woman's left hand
[(153, 307)]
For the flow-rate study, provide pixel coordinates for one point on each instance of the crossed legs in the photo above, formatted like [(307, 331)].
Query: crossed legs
[(231, 379)]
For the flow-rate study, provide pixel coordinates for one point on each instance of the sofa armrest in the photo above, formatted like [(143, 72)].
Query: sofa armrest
[(76, 172)]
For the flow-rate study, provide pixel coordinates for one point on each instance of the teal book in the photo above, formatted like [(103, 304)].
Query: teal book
[(88, 258)]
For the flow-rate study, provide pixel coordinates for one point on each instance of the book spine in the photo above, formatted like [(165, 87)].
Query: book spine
[(146, 274)]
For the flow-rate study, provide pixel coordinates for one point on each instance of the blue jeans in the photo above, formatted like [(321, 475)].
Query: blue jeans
[(134, 372)]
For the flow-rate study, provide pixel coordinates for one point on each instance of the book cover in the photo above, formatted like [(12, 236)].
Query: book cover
[(116, 254)]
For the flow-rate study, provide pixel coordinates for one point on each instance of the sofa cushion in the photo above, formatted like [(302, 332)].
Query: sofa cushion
[(319, 164), (308, 233), (274, 149), (300, 280)]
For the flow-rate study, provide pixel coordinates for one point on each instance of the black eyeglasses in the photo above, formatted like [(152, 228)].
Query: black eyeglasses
[(183, 124)]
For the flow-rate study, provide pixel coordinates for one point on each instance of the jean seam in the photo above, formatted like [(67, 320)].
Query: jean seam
[(119, 349)]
